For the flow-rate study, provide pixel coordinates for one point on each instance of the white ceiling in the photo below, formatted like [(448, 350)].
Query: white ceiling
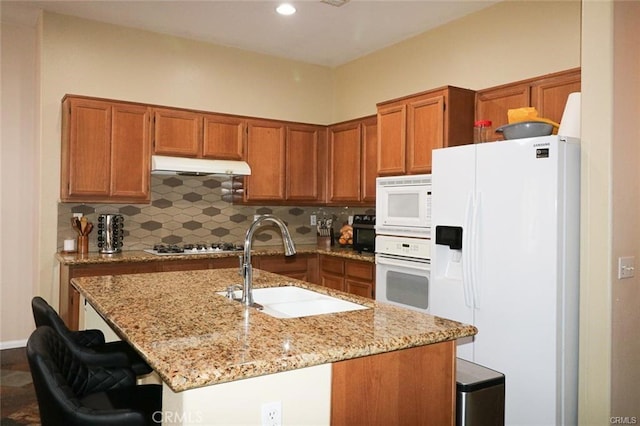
[(318, 33)]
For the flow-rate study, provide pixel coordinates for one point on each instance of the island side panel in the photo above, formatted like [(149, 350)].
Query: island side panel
[(414, 386), (304, 395)]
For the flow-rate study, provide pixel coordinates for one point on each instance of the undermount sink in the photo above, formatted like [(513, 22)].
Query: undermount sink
[(296, 302)]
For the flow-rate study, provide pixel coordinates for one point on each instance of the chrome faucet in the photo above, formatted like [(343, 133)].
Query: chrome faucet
[(247, 269)]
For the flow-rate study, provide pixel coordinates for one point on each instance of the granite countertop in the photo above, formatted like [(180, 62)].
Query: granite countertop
[(193, 337), (143, 256)]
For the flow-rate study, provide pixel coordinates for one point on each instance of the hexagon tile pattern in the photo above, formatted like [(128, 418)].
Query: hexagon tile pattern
[(190, 210)]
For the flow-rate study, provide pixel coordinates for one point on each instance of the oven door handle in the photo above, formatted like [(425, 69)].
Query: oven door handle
[(403, 262)]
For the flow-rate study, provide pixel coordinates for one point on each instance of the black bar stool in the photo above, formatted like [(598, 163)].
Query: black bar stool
[(92, 340), (75, 387)]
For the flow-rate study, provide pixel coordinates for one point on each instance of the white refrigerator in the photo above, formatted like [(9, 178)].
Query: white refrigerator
[(505, 258)]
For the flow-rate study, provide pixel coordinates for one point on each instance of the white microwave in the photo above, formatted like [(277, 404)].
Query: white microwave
[(403, 206)]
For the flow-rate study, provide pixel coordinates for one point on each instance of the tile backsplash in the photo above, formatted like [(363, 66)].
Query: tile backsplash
[(191, 210)]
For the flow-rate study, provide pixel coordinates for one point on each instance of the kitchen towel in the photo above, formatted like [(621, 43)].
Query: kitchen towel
[(570, 123)]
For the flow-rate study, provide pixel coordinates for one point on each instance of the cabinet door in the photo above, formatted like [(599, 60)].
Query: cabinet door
[(369, 159), (415, 386), (360, 278), (302, 163), (86, 150), (130, 158), (392, 128), (335, 282), (425, 131), (332, 272), (344, 162), (549, 96), (266, 157), (493, 104), (223, 137), (177, 132)]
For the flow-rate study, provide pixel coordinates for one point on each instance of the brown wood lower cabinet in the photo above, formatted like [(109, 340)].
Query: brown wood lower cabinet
[(409, 387), (351, 276), (300, 266)]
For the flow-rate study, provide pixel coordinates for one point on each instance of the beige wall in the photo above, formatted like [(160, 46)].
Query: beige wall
[(506, 42), (625, 192), (18, 181)]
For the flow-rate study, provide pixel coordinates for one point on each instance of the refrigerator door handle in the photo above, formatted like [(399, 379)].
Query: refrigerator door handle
[(475, 252), (466, 253)]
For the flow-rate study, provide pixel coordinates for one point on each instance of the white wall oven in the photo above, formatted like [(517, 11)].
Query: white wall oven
[(403, 206), (403, 271), (403, 247)]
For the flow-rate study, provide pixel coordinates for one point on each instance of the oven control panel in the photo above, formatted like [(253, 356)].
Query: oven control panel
[(419, 248)]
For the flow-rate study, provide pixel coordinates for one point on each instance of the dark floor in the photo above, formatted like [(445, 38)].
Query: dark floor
[(17, 396)]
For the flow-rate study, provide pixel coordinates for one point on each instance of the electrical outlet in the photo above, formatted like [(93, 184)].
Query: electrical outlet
[(626, 267), (313, 221), (272, 413)]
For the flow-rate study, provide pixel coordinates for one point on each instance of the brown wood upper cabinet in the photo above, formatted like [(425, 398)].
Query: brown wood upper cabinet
[(353, 161), (192, 134), (302, 176), (548, 94), (223, 137), (410, 127), (105, 151), (266, 157), (284, 160)]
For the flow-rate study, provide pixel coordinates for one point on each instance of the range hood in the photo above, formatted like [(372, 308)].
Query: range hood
[(163, 165)]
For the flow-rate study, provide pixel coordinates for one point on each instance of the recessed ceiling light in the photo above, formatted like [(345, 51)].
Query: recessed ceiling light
[(286, 9)]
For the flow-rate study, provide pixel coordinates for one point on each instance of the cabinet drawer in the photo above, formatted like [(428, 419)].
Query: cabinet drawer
[(360, 270), (332, 264), (283, 263), (225, 262), (364, 289), (119, 269), (184, 265)]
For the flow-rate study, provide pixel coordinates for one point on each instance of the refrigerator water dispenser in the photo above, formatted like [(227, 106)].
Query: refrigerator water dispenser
[(449, 236), (449, 246)]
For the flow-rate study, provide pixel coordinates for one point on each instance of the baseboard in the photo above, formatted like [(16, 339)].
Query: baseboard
[(12, 344)]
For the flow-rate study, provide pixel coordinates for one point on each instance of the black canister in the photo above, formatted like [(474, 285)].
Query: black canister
[(110, 233)]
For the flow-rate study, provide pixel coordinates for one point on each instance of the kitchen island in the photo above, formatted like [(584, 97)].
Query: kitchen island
[(220, 363)]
